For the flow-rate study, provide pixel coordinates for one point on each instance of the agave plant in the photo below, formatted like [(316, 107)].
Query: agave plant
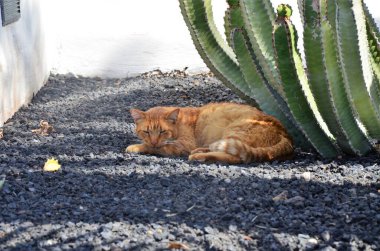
[(332, 104)]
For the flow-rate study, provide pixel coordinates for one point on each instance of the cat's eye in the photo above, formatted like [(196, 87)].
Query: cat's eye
[(146, 132), (162, 131)]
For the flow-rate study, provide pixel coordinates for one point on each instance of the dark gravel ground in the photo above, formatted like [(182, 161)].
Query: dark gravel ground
[(104, 199)]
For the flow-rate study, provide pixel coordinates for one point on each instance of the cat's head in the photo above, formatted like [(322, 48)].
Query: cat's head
[(157, 126)]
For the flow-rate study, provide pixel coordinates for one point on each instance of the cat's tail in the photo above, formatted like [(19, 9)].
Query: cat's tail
[(281, 150)]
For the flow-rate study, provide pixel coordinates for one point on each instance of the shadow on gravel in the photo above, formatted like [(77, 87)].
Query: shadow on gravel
[(192, 197), (98, 184)]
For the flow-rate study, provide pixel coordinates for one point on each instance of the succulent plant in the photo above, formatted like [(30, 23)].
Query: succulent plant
[(332, 104)]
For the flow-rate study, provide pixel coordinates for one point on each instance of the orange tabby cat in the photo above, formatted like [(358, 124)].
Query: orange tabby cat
[(217, 132)]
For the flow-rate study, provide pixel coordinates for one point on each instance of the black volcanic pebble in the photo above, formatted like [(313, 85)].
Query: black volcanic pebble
[(104, 199)]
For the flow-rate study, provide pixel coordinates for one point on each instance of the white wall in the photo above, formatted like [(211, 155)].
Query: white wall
[(23, 62), (118, 38)]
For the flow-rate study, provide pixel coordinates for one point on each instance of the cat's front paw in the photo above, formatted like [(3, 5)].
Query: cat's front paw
[(200, 150), (198, 157), (139, 148)]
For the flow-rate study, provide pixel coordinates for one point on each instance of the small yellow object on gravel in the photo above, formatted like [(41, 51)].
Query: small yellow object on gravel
[(52, 165)]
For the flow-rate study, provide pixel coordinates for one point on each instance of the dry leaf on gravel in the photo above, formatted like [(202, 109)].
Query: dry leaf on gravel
[(52, 165), (282, 196), (45, 129), (296, 200), (177, 245), (1, 133), (247, 238)]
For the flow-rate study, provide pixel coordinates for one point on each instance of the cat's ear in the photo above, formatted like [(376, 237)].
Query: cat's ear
[(137, 115), (173, 115)]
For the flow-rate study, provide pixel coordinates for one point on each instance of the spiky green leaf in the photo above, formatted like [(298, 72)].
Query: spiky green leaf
[(259, 19), (350, 58), (232, 19), (211, 48), (289, 67), (253, 76), (319, 75), (354, 137)]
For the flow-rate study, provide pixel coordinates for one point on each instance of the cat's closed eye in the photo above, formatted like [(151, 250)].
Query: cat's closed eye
[(162, 131), (146, 132)]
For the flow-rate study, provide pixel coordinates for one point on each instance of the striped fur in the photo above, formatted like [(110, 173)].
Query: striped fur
[(217, 132), (246, 153)]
